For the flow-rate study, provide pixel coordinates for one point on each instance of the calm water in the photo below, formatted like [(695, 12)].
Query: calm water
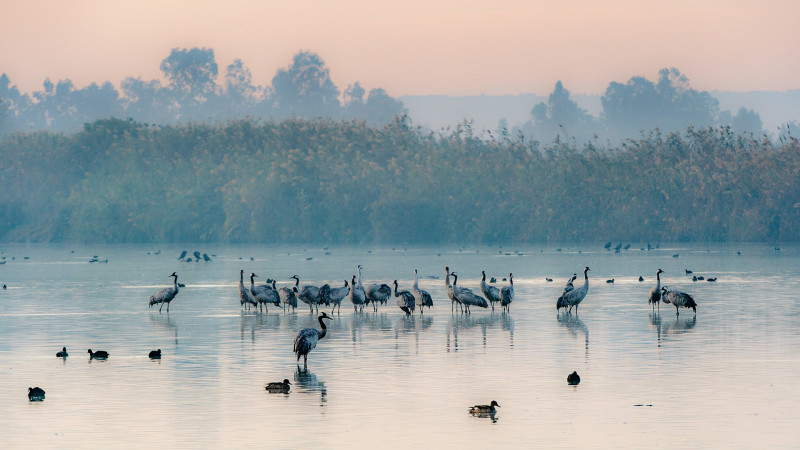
[(727, 376)]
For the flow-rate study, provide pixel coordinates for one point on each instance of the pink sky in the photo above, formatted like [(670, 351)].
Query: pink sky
[(454, 47)]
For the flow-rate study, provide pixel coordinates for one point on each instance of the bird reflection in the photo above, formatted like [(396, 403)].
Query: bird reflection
[(305, 381), (164, 322), (485, 415), (573, 325), (679, 326), (465, 322), (509, 325), (258, 322), (375, 321)]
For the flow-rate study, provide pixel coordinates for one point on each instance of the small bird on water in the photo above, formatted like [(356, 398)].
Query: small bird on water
[(279, 387), (155, 354), (100, 354), (35, 394), (484, 409), (63, 353), (573, 379)]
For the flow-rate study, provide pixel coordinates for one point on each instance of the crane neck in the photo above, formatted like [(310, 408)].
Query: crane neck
[(324, 329)]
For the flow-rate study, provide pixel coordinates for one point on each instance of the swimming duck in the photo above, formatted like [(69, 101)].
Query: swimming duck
[(100, 354), (484, 408), (35, 394), (279, 386), (573, 379), (155, 354), (63, 353)]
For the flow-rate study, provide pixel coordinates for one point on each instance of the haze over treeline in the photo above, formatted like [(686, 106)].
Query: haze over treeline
[(342, 181), (196, 90)]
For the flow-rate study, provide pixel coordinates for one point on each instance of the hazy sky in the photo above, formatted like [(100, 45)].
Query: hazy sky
[(455, 47)]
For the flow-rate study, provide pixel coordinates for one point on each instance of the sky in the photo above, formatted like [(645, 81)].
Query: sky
[(415, 47)]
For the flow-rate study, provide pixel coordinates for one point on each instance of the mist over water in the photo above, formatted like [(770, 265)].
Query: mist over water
[(724, 377)]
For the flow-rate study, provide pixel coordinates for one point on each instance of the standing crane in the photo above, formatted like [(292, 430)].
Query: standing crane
[(451, 292), (307, 338), (655, 294), (423, 298), (491, 293), (165, 295), (467, 297), (309, 295), (561, 302), (289, 296), (678, 299), (357, 295), (405, 300), (507, 294), (576, 296), (264, 294), (246, 298)]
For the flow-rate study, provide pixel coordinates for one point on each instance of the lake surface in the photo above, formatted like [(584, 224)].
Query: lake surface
[(725, 377)]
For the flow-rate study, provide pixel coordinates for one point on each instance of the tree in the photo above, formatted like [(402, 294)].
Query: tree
[(192, 75), (305, 89), (669, 104), (560, 115), (747, 121)]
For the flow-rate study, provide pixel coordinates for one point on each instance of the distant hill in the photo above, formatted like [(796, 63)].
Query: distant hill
[(486, 111)]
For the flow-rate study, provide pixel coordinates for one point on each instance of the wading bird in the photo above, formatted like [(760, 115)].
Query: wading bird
[(561, 302), (576, 296), (423, 298), (655, 293), (245, 297), (405, 300), (507, 293), (467, 297), (289, 296), (307, 338), (336, 295), (264, 294), (309, 294), (357, 295), (491, 293), (451, 292), (678, 299), (165, 295)]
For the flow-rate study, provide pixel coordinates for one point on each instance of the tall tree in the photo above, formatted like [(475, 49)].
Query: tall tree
[(192, 75), (560, 115), (305, 89)]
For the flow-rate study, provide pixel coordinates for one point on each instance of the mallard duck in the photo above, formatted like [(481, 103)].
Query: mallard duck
[(478, 409), (155, 354), (100, 354), (573, 379), (278, 386), (35, 394), (63, 353)]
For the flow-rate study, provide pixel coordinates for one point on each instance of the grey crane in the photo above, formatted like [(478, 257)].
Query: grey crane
[(423, 298), (165, 295), (466, 296), (576, 296), (336, 295), (307, 338), (451, 292), (491, 293), (655, 294), (357, 295), (264, 294), (376, 292), (561, 302), (405, 300), (246, 298), (679, 299), (507, 293), (289, 296), (309, 294)]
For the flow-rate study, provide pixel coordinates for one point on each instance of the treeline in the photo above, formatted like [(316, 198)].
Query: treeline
[(195, 90), (345, 182)]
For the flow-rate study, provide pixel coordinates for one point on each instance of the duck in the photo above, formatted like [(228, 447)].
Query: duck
[(35, 394), (100, 354), (279, 386), (63, 353), (483, 409), (155, 354), (573, 379)]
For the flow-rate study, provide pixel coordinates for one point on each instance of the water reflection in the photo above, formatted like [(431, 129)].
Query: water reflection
[(464, 323), (679, 326), (164, 322), (574, 324), (485, 415), (259, 322), (376, 321), (306, 382)]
